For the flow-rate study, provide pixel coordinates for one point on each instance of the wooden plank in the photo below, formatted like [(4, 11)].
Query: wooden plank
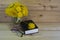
[(6, 34), (36, 4), (48, 26), (50, 11), (46, 16)]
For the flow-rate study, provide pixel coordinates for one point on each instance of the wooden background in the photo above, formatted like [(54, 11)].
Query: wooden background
[(40, 11), (45, 13)]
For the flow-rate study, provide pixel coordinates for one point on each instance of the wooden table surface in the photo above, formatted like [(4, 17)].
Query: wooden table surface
[(47, 31), (39, 10), (45, 13)]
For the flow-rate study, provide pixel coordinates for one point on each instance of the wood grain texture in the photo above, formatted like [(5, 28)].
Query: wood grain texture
[(46, 16), (47, 31), (49, 9)]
